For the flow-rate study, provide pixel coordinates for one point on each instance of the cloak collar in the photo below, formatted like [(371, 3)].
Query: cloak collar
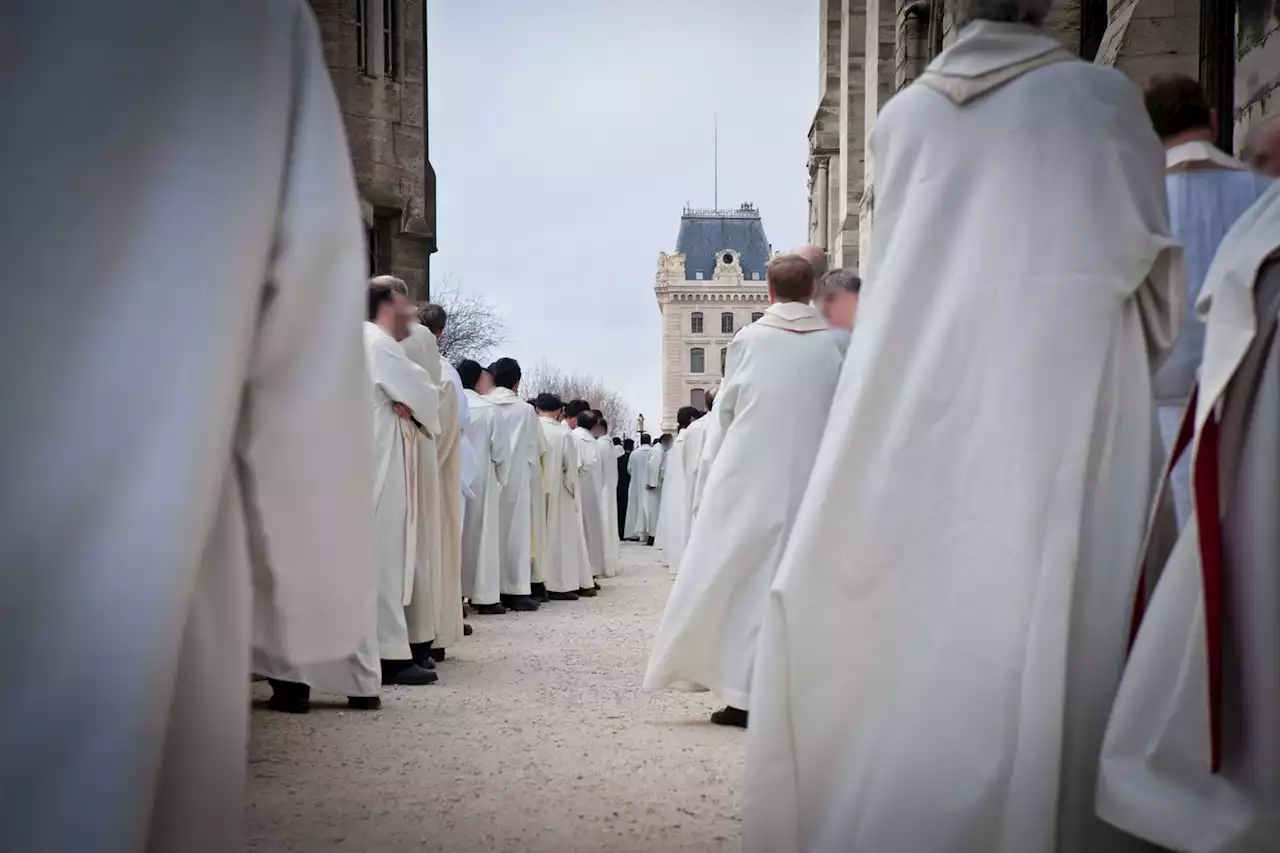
[(474, 397), (986, 56), (372, 331), (798, 317), (1200, 156), (503, 397)]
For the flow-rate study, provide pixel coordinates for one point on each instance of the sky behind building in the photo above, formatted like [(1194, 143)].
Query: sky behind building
[(568, 135)]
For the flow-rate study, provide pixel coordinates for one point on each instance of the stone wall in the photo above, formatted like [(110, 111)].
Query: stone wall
[(1257, 90), (385, 119)]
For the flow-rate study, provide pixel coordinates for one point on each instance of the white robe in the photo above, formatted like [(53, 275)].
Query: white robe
[(694, 443), (564, 552), (455, 455), (609, 453), (591, 496), (482, 529), (517, 425), (1156, 779), (639, 525), (673, 519), (538, 510), (422, 612), (654, 473), (397, 484), (1207, 190), (185, 468), (947, 628), (770, 429)]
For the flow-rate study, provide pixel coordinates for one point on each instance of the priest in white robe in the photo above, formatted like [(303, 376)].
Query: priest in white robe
[(1191, 760), (695, 443), (770, 426), (482, 529), (220, 189), (538, 518), (456, 461), (564, 551), (1208, 190), (654, 473), (609, 453), (591, 496), (517, 426), (947, 629), (639, 526), (673, 516), (405, 402)]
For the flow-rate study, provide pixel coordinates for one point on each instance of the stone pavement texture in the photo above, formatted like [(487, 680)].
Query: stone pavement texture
[(538, 739)]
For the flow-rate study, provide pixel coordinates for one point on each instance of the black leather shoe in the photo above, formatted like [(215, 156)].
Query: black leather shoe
[(730, 716), (563, 596), (587, 592), (538, 591), (422, 655), (407, 673), (523, 603), (466, 629), (436, 655), (489, 609), (289, 697), (364, 703)]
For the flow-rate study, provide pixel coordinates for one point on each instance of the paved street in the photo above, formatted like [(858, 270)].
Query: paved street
[(538, 738)]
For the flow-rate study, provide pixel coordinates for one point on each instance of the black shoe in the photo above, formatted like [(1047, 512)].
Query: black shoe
[(466, 629), (597, 585), (407, 673), (436, 655), (587, 592), (649, 541), (364, 703), (730, 716), (523, 603), (563, 596), (538, 592), (489, 609), (422, 655), (289, 697)]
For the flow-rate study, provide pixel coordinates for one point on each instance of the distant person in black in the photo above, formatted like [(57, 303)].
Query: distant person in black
[(624, 485)]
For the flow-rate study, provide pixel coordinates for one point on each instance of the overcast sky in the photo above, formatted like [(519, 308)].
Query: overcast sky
[(567, 135)]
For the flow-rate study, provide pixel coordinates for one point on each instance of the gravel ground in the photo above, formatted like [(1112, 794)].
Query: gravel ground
[(537, 738)]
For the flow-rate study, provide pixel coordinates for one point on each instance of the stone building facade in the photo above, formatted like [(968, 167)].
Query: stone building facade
[(870, 49), (376, 51), (712, 285)]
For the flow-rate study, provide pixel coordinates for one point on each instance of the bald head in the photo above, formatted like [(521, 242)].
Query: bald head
[(816, 256), (790, 279), (396, 284), (1262, 147)]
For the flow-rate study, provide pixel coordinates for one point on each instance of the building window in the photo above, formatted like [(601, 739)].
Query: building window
[(1093, 25), (726, 323), (756, 315), (379, 238), (698, 276), (697, 360), (724, 359), (390, 37), (697, 398), (1218, 64), (755, 276), (695, 323), (362, 36)]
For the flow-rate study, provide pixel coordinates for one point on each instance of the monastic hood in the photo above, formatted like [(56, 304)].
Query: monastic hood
[(986, 56)]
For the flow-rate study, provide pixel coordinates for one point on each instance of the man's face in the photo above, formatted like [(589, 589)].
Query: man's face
[(840, 307), (485, 383), (395, 317)]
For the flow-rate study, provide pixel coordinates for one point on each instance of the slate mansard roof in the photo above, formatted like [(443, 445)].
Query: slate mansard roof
[(705, 233)]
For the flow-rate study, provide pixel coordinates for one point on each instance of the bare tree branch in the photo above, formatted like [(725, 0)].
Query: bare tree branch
[(546, 378), (474, 328)]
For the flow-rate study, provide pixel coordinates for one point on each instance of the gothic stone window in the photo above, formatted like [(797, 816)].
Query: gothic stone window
[(756, 315), (697, 360), (390, 37), (695, 323), (726, 323), (697, 398)]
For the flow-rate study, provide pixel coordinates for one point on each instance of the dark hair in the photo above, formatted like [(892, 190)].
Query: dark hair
[(645, 438), (1176, 104), (846, 280), (469, 372), (433, 317), (379, 292), (600, 421), (685, 416), (709, 397), (586, 420), (505, 373), (628, 445), (574, 408), (791, 277), (548, 403), (666, 436), (597, 413), (617, 442)]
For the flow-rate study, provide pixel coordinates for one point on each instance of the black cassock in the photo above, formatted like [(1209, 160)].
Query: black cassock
[(624, 489)]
